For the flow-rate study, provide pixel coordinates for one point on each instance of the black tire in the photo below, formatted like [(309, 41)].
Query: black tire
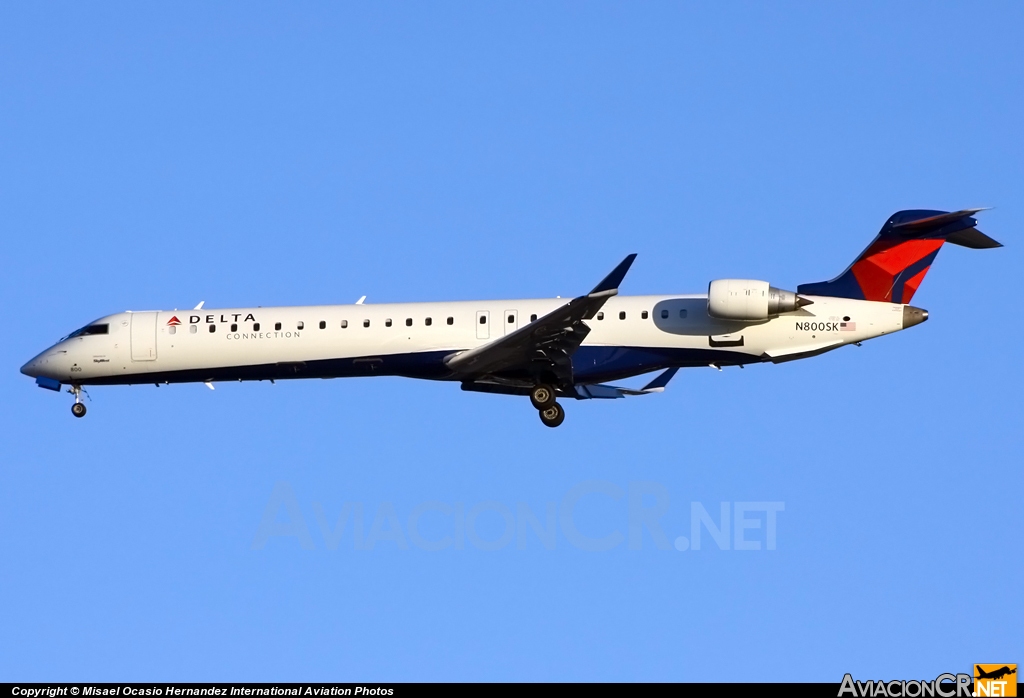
[(78, 409), (552, 416), (542, 396)]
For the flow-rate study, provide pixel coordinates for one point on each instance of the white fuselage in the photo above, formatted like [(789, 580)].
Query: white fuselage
[(631, 335)]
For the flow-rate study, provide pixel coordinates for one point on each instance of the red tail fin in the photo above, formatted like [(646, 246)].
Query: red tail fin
[(893, 266)]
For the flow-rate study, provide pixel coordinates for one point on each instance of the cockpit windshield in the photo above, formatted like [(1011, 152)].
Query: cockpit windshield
[(90, 329)]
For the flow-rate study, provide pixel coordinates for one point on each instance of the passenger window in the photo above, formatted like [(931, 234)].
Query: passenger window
[(427, 322), (451, 321), (622, 314), (213, 328), (600, 316), (533, 318), (344, 324), (255, 327), (511, 319), (192, 329), (172, 330), (387, 323), (234, 327), (277, 325), (483, 319), (643, 315), (682, 313), (408, 322), (323, 324), (301, 325), (366, 323), (664, 314)]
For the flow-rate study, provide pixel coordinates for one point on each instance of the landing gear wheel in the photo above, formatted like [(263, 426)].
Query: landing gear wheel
[(552, 416), (542, 396), (78, 409)]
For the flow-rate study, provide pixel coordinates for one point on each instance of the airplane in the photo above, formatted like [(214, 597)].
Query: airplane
[(544, 349), (996, 674)]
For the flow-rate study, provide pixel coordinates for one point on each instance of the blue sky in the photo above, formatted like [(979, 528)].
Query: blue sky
[(152, 156)]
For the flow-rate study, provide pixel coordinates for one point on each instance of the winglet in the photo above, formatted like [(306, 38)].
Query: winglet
[(609, 286), (658, 384)]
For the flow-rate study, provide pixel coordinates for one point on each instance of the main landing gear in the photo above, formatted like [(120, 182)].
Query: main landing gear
[(77, 409), (552, 416), (543, 398)]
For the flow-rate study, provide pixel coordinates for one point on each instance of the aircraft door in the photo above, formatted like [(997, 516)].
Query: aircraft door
[(483, 324), (143, 336), (510, 321)]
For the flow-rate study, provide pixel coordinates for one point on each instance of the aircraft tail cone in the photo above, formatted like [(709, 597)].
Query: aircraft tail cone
[(913, 316)]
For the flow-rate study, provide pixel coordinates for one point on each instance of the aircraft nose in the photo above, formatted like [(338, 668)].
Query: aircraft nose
[(29, 369)]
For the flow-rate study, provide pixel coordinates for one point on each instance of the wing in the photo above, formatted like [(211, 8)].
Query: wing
[(545, 346), (601, 391)]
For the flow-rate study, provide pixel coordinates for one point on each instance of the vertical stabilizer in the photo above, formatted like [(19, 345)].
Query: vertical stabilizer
[(893, 266)]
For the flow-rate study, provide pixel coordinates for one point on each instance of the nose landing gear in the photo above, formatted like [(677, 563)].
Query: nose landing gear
[(77, 409)]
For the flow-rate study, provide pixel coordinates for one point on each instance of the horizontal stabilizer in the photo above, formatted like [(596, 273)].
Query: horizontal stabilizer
[(929, 223), (974, 239)]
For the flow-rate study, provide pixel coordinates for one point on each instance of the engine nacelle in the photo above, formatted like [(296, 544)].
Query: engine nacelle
[(749, 299)]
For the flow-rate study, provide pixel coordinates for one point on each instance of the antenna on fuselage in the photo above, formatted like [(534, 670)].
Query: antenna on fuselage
[(361, 299), (200, 306)]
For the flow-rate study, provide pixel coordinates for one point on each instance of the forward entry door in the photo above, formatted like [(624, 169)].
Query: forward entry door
[(143, 336)]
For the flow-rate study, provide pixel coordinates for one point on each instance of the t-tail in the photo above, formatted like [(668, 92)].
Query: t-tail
[(893, 266)]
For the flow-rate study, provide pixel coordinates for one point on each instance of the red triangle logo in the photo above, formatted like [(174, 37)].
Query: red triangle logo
[(174, 321)]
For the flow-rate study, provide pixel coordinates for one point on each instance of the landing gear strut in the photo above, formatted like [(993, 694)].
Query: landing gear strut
[(77, 409)]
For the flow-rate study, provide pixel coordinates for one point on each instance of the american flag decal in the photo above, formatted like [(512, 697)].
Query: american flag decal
[(847, 326)]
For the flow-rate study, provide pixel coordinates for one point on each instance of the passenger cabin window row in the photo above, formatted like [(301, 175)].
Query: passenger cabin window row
[(409, 322), (644, 315), (388, 322)]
